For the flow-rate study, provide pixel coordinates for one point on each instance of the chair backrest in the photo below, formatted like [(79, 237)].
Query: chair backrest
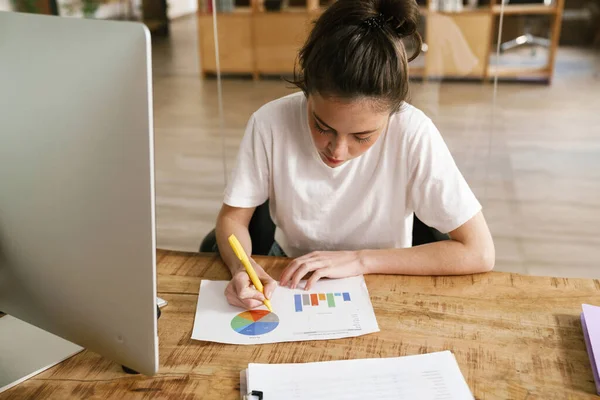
[(262, 230)]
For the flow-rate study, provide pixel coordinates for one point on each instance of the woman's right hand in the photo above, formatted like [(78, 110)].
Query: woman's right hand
[(241, 292)]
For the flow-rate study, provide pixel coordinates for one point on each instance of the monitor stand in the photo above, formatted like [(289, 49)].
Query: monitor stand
[(26, 350)]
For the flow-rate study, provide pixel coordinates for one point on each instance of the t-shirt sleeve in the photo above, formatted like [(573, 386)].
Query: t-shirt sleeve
[(248, 185), (438, 192)]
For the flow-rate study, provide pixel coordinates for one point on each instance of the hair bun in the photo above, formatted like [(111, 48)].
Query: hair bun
[(402, 16), (404, 28)]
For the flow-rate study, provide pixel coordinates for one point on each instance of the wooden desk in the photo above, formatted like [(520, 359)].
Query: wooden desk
[(515, 337)]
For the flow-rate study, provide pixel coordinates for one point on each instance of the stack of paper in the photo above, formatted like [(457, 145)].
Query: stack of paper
[(590, 321), (434, 376)]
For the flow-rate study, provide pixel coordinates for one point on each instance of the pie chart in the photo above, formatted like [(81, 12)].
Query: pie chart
[(254, 322)]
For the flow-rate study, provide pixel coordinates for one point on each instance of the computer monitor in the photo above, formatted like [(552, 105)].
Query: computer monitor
[(77, 226)]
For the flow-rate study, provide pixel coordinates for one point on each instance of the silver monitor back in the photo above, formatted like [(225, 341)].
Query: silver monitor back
[(77, 227)]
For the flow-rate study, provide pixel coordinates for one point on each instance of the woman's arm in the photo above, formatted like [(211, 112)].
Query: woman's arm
[(233, 220), (240, 292), (470, 250)]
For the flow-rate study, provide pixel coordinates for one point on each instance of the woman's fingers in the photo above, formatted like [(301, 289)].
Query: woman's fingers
[(241, 293), (269, 284), (304, 269), (288, 272), (269, 288), (318, 274), (234, 299), (244, 289), (291, 269)]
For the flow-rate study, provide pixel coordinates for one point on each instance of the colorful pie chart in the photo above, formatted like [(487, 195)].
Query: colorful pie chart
[(254, 322)]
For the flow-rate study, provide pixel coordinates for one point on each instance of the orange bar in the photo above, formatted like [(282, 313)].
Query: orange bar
[(314, 300)]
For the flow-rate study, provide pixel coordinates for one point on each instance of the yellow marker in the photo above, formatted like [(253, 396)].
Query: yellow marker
[(241, 254)]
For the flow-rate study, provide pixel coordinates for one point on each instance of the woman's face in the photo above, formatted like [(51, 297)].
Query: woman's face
[(344, 129)]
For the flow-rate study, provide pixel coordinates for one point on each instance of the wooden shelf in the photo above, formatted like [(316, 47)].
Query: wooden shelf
[(465, 11), (508, 10), (518, 72), (285, 10), (289, 10), (237, 10), (260, 42), (525, 9), (416, 72)]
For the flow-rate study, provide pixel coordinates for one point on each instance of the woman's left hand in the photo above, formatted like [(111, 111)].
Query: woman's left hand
[(325, 264)]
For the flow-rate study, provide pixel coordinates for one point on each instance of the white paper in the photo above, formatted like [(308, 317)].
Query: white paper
[(161, 302), (434, 376), (345, 311)]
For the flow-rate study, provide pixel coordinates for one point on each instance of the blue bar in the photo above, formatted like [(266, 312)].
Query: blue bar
[(298, 300), (338, 294), (346, 296)]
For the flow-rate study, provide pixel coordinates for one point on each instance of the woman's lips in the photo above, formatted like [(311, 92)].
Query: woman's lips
[(333, 160)]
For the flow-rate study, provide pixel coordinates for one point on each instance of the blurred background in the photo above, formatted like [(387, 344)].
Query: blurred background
[(513, 87)]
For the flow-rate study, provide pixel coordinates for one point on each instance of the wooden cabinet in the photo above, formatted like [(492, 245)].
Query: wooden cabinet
[(236, 53), (277, 39), (254, 41), (457, 44)]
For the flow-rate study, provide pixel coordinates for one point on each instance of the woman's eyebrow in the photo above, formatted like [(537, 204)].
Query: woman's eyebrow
[(323, 123), (333, 130)]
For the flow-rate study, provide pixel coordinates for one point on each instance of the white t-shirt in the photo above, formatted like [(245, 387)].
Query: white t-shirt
[(365, 203)]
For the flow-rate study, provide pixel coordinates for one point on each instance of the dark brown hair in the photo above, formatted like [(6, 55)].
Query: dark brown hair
[(355, 49)]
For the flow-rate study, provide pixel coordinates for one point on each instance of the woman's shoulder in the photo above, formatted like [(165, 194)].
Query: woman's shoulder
[(410, 118), (412, 129), (410, 123)]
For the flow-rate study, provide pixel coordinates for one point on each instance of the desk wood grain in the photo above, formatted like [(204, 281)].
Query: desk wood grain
[(514, 336)]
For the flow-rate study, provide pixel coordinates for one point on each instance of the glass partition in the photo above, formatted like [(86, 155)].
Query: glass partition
[(513, 87)]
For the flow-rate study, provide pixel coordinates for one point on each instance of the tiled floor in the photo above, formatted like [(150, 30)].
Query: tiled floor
[(533, 160)]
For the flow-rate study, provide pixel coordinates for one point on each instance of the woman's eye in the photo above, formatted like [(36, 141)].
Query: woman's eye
[(319, 128)]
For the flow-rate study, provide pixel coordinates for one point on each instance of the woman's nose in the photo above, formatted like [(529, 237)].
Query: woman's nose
[(339, 149)]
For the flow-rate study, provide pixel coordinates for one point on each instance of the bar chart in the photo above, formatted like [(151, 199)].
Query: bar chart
[(329, 300)]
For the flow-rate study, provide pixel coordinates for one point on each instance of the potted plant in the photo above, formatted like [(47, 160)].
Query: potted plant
[(25, 6), (87, 7)]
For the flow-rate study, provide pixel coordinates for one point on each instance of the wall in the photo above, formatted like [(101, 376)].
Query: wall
[(179, 8), (5, 5), (105, 11)]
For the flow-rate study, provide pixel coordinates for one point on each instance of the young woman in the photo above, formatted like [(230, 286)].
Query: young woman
[(346, 161)]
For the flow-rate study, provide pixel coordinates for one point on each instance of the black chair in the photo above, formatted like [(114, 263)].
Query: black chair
[(262, 233)]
